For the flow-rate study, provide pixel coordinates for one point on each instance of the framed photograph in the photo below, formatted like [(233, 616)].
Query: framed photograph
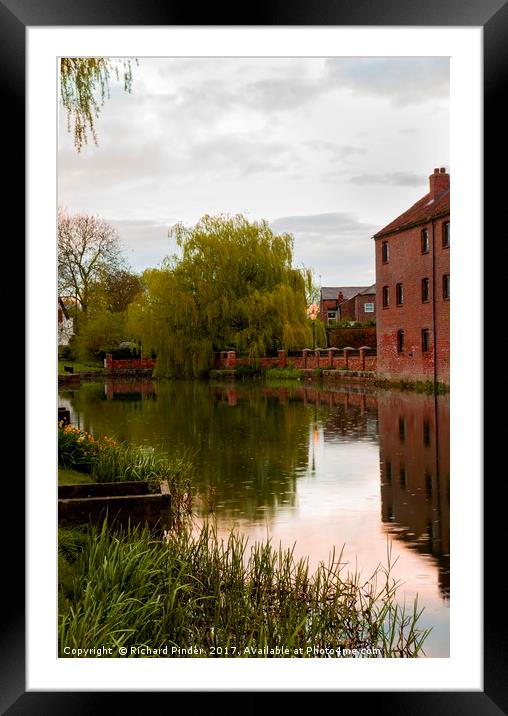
[(336, 138)]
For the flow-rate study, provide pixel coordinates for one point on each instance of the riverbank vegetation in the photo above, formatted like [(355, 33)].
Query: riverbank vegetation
[(67, 476), (87, 366), (131, 589), (104, 459), (428, 387), (288, 373)]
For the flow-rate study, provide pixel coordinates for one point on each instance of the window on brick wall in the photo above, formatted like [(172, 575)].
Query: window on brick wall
[(385, 252), (332, 316), (386, 296), (446, 234), (425, 241), (400, 341), (425, 290), (446, 286), (425, 340), (369, 308), (399, 293)]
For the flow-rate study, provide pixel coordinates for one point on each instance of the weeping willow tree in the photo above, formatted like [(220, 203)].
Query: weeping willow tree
[(232, 287), (84, 86)]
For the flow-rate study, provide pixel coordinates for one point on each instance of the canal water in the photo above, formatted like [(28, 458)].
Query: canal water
[(317, 467)]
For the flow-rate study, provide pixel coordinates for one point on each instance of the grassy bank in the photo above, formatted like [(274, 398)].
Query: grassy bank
[(66, 476), (133, 590), (78, 366)]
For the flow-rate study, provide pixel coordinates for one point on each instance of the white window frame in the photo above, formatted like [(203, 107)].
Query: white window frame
[(371, 308)]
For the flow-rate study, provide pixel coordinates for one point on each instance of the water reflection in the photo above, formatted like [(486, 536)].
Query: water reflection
[(322, 467), (414, 453)]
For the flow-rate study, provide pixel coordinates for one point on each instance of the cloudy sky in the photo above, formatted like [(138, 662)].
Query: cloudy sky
[(329, 149)]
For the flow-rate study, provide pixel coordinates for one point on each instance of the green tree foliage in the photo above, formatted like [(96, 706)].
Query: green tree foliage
[(84, 86), (102, 332), (232, 287)]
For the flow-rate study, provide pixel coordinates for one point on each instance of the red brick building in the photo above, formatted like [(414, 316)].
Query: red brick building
[(361, 307), (413, 289), (354, 303)]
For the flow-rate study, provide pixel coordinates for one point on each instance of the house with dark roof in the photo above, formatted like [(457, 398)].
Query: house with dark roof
[(413, 288), (356, 303), (361, 307)]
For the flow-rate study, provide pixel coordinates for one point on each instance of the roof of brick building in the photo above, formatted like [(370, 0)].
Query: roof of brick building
[(422, 212), (370, 289), (330, 293)]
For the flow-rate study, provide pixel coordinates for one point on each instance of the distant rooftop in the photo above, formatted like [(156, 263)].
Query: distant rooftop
[(369, 290), (330, 293)]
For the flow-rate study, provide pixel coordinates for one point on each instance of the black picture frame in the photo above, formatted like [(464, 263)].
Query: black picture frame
[(15, 17)]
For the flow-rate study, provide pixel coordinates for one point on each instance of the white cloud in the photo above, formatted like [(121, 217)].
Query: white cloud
[(399, 80), (393, 178), (338, 246)]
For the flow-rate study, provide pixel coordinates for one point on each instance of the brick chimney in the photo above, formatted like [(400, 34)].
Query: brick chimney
[(439, 182)]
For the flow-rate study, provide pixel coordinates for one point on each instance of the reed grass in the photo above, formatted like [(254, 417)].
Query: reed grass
[(130, 588)]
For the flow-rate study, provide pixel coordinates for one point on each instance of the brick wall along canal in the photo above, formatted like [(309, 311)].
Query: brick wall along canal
[(321, 467)]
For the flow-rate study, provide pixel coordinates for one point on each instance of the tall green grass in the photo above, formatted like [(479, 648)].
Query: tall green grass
[(131, 589)]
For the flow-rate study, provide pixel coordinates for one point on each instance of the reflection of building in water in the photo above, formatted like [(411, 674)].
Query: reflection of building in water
[(129, 390), (354, 417), (414, 448)]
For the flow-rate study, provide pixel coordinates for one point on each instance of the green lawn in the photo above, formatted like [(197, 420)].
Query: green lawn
[(66, 476), (87, 366)]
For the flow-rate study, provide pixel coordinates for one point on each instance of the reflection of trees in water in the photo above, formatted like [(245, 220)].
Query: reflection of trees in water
[(414, 439), (246, 446)]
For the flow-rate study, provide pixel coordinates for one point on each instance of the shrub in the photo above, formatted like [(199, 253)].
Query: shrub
[(66, 353), (79, 450), (249, 371), (354, 337)]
